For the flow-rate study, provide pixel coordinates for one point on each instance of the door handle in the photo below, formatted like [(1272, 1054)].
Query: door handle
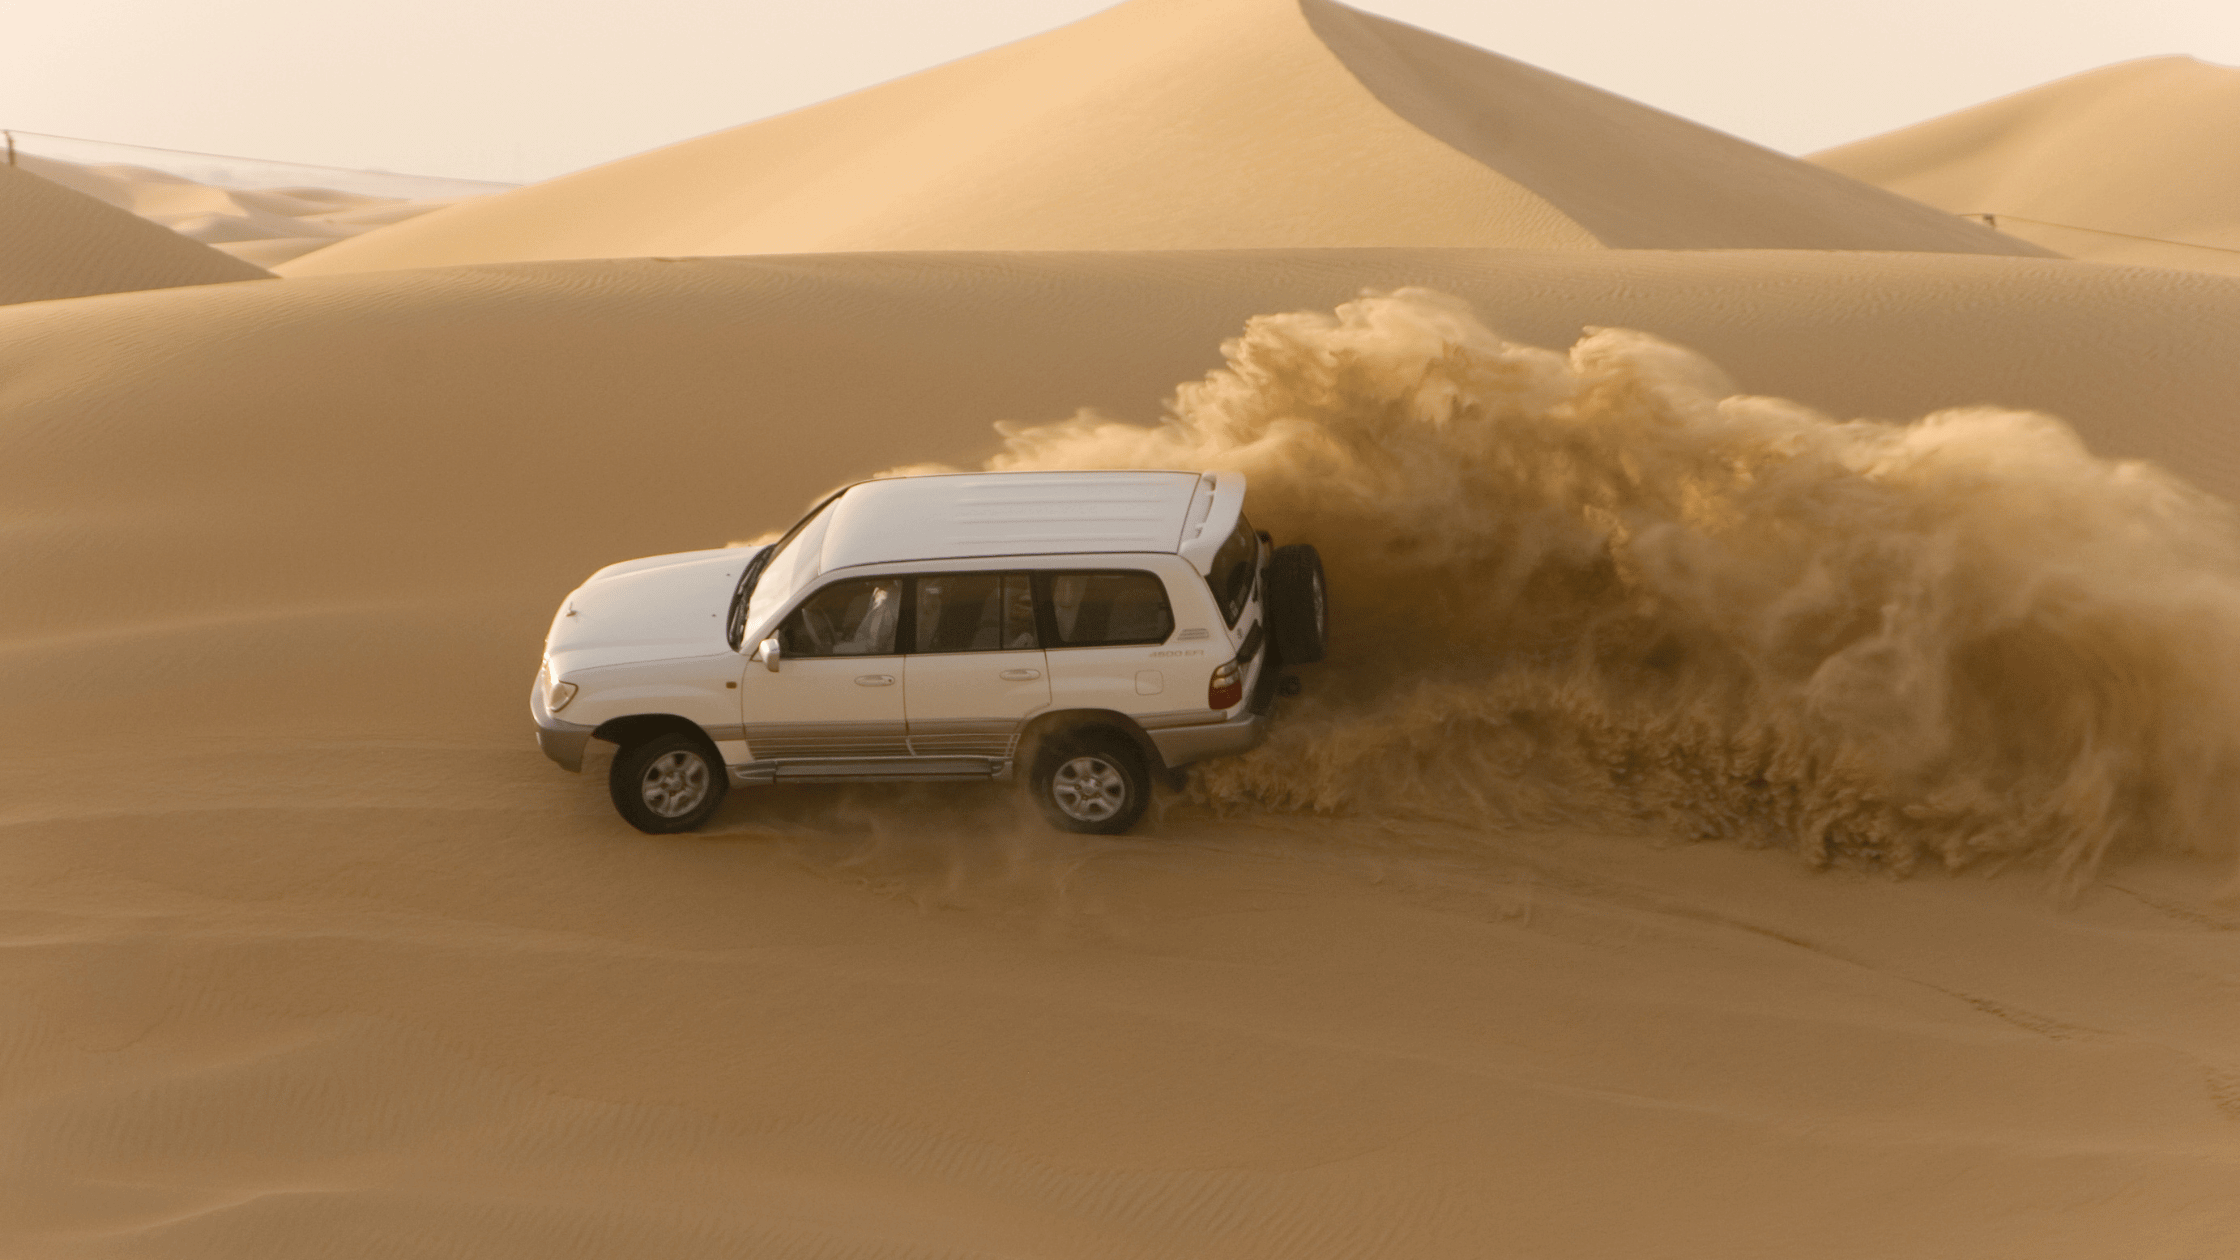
[(1020, 675), (874, 680)]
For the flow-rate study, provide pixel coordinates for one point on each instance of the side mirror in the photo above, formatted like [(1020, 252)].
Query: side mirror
[(767, 653)]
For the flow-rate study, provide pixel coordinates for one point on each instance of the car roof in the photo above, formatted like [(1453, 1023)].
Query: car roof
[(964, 515)]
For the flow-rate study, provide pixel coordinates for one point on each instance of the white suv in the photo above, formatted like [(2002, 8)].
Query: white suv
[(1090, 629)]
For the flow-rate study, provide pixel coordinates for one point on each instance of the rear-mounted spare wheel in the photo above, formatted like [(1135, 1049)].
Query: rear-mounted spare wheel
[(1298, 604)]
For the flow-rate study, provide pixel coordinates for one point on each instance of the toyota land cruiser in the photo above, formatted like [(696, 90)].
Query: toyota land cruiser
[(1084, 631)]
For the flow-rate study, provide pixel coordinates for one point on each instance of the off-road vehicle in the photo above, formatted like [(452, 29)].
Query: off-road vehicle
[(1084, 631)]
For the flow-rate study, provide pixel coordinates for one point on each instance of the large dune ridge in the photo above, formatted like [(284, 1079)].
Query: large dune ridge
[(2134, 163), (312, 953), (1189, 124), (56, 242)]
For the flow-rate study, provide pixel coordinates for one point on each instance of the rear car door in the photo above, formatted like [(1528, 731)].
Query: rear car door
[(1103, 627), (976, 670), (837, 691)]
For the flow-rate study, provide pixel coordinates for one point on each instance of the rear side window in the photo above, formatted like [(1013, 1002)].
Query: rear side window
[(845, 619), (1234, 567), (1107, 609), (975, 612)]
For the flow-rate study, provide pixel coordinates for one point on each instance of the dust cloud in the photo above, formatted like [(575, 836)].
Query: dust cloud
[(1600, 586)]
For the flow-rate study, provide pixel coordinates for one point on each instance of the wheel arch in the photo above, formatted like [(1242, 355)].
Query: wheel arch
[(640, 727), (1066, 721)]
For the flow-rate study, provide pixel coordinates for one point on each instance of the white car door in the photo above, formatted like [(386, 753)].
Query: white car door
[(1106, 650), (837, 692), (976, 670)]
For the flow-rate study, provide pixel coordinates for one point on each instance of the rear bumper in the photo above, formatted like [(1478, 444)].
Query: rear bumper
[(1181, 745), (561, 741)]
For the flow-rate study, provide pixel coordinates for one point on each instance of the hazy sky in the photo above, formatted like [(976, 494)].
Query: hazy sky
[(522, 89)]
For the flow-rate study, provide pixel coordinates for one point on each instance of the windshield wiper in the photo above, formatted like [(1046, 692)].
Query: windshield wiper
[(736, 628)]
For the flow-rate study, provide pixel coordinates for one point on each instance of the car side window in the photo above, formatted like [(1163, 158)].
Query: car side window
[(1107, 609), (974, 612), (855, 618)]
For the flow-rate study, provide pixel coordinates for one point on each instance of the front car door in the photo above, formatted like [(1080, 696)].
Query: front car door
[(976, 670), (836, 695)]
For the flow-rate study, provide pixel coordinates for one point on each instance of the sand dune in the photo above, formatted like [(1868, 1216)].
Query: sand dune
[(2135, 163), (58, 243), (262, 226), (311, 953), (575, 407), (1189, 124)]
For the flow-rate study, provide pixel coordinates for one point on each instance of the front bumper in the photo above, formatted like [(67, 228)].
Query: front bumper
[(1181, 745), (561, 741)]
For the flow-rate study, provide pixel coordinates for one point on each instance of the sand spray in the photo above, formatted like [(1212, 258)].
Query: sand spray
[(1601, 587)]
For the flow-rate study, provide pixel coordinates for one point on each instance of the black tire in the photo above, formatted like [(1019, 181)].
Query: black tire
[(1298, 605), (1091, 782), (667, 784)]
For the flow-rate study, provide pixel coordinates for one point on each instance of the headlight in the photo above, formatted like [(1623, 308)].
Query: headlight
[(557, 696)]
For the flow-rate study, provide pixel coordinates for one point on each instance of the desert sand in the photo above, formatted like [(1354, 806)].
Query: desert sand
[(64, 244), (1861, 890), (2131, 163), (346, 947)]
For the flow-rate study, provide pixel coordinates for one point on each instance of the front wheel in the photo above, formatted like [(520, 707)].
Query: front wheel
[(667, 784), (1091, 783)]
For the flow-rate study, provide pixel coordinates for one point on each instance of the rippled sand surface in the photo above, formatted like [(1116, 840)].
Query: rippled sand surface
[(308, 951)]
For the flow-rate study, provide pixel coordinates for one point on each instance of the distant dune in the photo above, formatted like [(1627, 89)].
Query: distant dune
[(261, 226), (57, 243), (2135, 163), (1190, 124)]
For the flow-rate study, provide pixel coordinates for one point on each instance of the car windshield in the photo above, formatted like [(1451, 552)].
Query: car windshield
[(780, 573)]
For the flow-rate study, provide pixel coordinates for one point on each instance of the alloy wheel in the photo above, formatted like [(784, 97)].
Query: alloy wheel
[(674, 784), (1091, 789)]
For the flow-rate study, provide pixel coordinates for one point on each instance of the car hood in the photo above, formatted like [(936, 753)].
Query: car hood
[(658, 608)]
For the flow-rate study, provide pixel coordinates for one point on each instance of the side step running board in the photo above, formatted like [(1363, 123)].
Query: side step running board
[(871, 770)]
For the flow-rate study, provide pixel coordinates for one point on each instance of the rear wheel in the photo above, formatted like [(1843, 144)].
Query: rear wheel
[(666, 784), (1298, 604), (1092, 782)]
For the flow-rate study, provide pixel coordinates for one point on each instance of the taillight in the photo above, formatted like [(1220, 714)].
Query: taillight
[(1226, 687)]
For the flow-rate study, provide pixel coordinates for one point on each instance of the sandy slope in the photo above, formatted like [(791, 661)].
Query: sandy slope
[(412, 996), (262, 226), (58, 243), (310, 953), (1189, 124), (2087, 165)]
